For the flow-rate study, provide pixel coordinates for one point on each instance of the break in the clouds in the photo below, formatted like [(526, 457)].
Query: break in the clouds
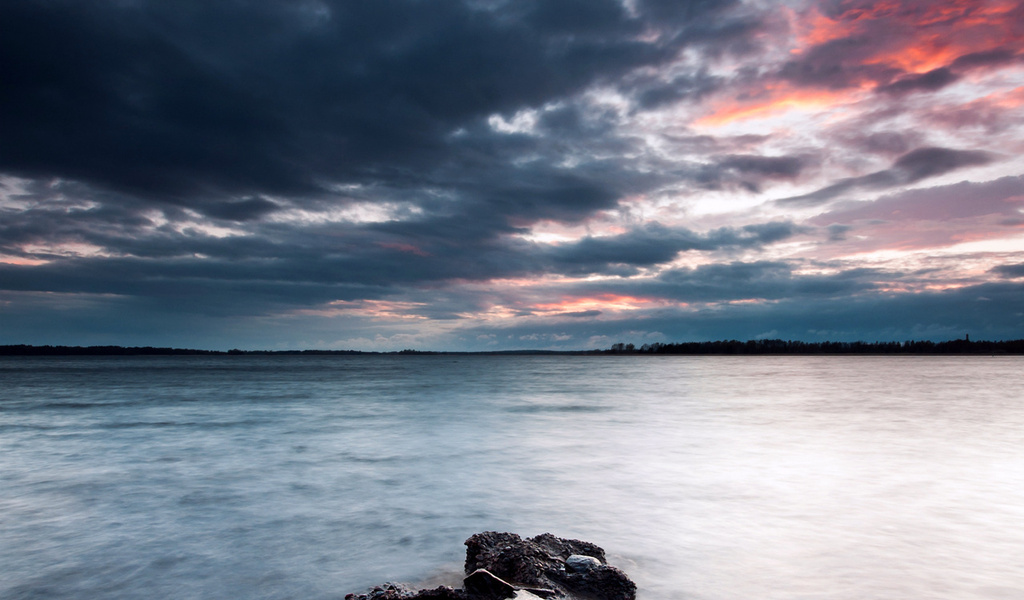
[(488, 174)]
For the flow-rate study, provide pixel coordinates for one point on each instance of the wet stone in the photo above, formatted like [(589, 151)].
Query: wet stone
[(579, 563), (504, 565)]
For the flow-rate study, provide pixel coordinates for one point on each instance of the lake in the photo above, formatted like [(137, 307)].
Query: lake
[(708, 477)]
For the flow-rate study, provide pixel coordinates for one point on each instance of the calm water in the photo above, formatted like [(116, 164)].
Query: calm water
[(712, 478)]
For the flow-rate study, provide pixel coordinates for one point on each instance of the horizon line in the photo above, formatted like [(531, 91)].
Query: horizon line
[(710, 347)]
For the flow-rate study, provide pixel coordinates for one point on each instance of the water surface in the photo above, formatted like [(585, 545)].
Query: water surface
[(718, 478)]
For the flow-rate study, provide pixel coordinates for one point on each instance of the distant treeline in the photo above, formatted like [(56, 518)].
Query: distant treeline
[(963, 346), (750, 347), (26, 350)]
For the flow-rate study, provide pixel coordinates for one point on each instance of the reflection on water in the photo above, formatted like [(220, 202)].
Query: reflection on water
[(703, 477)]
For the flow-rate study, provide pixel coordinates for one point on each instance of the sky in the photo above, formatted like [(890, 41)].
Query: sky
[(509, 174)]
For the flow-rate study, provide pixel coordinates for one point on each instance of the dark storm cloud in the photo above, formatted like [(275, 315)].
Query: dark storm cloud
[(576, 122), (763, 280), (653, 94), (507, 200), (555, 197), (241, 210), (655, 244), (467, 237), (66, 212), (1009, 271), (215, 288), (137, 125), (267, 269), (912, 167), (170, 100), (737, 171)]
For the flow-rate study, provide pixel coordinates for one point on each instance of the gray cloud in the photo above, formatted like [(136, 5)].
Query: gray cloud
[(786, 167), (654, 93), (956, 201), (932, 80), (267, 272), (837, 231), (581, 314), (890, 143), (655, 244), (911, 167), (837, 64), (763, 280), (988, 311), (987, 58), (241, 210), (928, 162), (1009, 271)]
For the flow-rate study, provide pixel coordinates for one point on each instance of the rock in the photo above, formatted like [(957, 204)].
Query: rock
[(504, 565), (400, 592), (483, 583), (540, 592), (578, 563), (388, 591), (542, 562)]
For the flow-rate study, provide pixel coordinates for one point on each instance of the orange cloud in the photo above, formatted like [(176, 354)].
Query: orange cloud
[(613, 302), (813, 28), (920, 55), (22, 261), (891, 35), (373, 309), (1011, 99), (969, 12), (775, 99), (921, 36)]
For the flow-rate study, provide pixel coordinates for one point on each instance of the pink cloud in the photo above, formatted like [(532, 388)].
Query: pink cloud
[(1004, 196), (928, 218)]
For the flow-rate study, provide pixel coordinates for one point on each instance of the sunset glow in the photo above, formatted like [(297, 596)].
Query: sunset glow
[(603, 302), (774, 102)]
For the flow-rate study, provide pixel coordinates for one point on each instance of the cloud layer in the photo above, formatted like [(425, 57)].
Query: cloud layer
[(478, 174)]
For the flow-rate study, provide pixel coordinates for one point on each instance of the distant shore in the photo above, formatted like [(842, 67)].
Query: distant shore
[(720, 347)]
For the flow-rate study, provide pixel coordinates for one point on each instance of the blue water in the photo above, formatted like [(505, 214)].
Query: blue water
[(719, 478)]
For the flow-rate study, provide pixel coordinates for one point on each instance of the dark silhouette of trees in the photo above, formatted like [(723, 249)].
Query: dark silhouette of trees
[(776, 346)]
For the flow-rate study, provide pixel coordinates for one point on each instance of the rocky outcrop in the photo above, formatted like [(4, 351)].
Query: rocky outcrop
[(504, 565)]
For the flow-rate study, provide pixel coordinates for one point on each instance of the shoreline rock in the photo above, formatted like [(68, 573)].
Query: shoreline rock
[(504, 565)]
